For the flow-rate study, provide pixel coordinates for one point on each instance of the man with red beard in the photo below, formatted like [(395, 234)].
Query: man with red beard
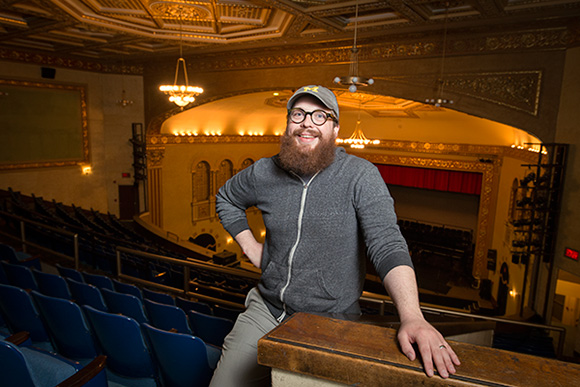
[(324, 211)]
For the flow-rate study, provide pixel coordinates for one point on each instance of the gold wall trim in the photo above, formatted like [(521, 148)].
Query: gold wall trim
[(70, 63), (490, 175), (160, 140), (174, 140)]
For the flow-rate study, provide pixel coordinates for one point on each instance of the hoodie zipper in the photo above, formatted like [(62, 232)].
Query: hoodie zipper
[(293, 250)]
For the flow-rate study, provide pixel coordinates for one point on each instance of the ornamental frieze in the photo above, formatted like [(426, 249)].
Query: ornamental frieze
[(557, 38), (518, 90)]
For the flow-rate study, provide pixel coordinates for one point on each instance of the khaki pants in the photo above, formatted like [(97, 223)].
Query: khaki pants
[(238, 365)]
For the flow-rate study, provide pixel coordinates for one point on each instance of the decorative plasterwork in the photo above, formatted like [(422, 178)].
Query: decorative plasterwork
[(371, 52), (70, 63), (518, 90), (155, 156)]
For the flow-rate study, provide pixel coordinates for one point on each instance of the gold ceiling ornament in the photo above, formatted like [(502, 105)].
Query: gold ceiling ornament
[(439, 100), (357, 139), (354, 80), (181, 95)]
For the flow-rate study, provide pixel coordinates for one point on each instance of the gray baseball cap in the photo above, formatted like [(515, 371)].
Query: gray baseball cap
[(323, 94)]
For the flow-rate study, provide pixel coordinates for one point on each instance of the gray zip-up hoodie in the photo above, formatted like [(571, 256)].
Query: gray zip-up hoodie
[(317, 232)]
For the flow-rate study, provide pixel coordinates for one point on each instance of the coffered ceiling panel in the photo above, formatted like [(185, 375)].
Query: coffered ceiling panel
[(114, 29)]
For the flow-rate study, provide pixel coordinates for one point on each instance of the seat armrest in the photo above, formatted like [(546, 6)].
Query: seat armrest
[(18, 338), (86, 376)]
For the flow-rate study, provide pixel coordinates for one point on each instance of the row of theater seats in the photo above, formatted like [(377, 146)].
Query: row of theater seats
[(448, 241), (147, 336), (99, 235)]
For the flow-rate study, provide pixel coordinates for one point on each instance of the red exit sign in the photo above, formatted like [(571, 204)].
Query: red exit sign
[(571, 253)]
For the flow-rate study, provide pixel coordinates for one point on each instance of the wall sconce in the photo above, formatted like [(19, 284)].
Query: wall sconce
[(86, 169)]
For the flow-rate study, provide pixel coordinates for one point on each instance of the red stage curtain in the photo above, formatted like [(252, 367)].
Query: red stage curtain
[(437, 179)]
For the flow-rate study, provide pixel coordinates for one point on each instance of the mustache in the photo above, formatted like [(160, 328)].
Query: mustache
[(312, 132)]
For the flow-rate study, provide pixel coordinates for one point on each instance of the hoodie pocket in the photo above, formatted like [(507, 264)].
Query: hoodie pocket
[(309, 291)]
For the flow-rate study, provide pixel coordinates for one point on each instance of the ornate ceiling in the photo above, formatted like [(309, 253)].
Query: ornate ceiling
[(111, 30)]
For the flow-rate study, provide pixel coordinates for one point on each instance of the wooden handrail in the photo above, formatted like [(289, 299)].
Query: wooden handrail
[(331, 349)]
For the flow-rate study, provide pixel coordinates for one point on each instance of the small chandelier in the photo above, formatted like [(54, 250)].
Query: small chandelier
[(439, 100), (181, 95), (353, 80), (357, 139), (124, 102)]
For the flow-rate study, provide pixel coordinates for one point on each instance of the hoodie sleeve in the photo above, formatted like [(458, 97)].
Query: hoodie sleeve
[(234, 198), (386, 246)]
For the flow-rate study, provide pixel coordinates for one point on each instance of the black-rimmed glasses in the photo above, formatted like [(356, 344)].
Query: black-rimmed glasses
[(318, 117)]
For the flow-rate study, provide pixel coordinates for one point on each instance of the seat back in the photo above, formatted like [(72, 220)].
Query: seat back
[(20, 276), (3, 276), (71, 273), (9, 253), (162, 298), (52, 285), (183, 359), (188, 305), (86, 294), (210, 329), (167, 317), (122, 287), (14, 370), (100, 281), (125, 304), (121, 340), (24, 366), (20, 313), (67, 326), (225, 312)]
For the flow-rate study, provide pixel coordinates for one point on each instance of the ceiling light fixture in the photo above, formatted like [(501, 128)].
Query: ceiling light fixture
[(353, 80), (181, 95), (357, 139), (439, 100), (124, 102)]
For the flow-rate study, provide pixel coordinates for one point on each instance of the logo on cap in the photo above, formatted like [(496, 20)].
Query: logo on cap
[(314, 89)]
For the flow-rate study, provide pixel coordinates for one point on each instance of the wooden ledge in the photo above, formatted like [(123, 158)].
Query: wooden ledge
[(366, 355)]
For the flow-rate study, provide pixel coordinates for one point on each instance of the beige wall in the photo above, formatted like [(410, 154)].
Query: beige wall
[(110, 151)]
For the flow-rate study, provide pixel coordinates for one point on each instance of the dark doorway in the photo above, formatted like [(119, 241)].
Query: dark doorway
[(128, 201)]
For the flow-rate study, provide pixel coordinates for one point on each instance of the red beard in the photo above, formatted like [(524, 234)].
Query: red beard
[(306, 161)]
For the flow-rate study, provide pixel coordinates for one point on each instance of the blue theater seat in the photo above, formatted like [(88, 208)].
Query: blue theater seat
[(21, 315), (125, 304), (162, 298), (122, 287), (210, 329), (20, 276), (188, 305), (122, 341), (184, 360), (52, 285), (25, 366), (100, 281), (68, 328), (87, 294), (8, 253), (68, 272), (167, 317)]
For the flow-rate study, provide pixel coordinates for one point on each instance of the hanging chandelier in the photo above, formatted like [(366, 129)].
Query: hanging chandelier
[(357, 139), (439, 100), (354, 80), (181, 95), (124, 102)]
